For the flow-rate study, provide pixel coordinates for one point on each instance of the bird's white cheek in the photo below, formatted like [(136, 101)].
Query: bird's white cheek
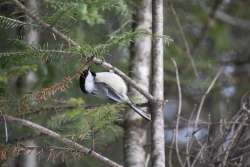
[(90, 87), (89, 84)]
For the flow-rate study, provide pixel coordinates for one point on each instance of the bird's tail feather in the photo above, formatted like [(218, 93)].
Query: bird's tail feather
[(140, 112)]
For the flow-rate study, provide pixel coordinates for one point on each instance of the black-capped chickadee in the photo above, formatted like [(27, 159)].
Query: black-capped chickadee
[(108, 85)]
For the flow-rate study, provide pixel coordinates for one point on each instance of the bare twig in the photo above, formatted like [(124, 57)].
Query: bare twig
[(75, 44), (147, 160), (198, 156), (5, 127), (189, 141), (62, 139), (204, 97), (179, 112), (234, 137), (184, 38), (170, 153)]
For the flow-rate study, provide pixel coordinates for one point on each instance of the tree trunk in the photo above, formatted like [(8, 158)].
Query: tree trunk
[(157, 128), (32, 38), (135, 126), (32, 34)]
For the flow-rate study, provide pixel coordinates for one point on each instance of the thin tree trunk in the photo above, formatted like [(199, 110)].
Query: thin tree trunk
[(157, 128), (30, 159), (32, 38), (135, 126), (32, 34)]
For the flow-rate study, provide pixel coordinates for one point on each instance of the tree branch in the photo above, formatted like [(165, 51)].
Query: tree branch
[(62, 139), (178, 113), (75, 44), (205, 95), (234, 21), (184, 38)]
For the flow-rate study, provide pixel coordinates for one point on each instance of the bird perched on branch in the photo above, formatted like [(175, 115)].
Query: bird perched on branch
[(108, 85)]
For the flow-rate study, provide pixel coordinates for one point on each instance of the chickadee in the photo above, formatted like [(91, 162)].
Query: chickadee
[(108, 85)]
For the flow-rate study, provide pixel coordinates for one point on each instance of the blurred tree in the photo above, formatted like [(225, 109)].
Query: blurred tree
[(135, 127)]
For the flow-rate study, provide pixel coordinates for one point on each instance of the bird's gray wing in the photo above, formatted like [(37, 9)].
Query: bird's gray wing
[(103, 89)]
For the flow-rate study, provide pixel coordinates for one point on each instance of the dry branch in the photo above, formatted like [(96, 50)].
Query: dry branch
[(184, 38), (178, 113), (204, 97)]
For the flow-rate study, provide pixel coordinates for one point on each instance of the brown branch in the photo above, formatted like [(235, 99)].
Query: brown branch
[(62, 139), (75, 44), (204, 97), (178, 113), (236, 134), (170, 153)]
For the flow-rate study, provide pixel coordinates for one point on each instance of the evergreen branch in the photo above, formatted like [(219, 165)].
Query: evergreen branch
[(50, 91), (45, 51), (95, 60), (62, 139), (8, 54), (45, 25), (6, 22), (60, 86), (52, 152)]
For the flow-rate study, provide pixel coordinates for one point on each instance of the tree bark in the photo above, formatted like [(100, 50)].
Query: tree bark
[(135, 126), (32, 38), (157, 127), (32, 34)]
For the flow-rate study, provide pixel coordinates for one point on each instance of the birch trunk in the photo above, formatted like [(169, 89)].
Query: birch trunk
[(32, 35), (135, 126), (32, 38), (157, 127)]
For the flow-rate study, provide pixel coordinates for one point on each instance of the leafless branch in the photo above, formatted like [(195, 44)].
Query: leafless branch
[(198, 156), (178, 113), (204, 97), (184, 38), (189, 141), (170, 153), (234, 137), (62, 139)]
